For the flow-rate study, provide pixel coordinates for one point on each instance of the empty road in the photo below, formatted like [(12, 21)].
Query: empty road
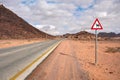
[(13, 59)]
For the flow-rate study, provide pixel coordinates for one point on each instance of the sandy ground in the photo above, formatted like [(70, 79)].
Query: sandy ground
[(11, 43), (74, 60), (108, 67)]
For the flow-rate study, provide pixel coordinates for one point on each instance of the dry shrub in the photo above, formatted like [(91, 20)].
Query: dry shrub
[(113, 50)]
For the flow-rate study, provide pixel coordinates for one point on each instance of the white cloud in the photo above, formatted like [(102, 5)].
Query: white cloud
[(102, 14), (59, 14), (82, 3), (48, 28)]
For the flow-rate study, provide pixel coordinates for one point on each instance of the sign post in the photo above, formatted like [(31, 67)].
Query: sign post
[(96, 26), (96, 56)]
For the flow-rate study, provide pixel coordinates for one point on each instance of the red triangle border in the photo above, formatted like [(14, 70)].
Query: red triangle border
[(94, 24)]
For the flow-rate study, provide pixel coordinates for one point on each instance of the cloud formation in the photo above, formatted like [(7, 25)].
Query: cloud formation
[(67, 16)]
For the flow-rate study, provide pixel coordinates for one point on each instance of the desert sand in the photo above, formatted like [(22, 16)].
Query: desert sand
[(18, 42), (74, 60), (108, 67)]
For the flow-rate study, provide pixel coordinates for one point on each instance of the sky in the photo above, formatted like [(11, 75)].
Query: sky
[(58, 17)]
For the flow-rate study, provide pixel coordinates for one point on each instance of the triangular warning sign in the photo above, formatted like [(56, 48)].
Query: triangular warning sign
[(96, 25)]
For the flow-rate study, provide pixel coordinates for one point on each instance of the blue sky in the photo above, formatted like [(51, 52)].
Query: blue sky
[(67, 16), (28, 2)]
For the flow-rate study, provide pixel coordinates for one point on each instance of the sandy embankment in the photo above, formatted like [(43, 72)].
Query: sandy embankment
[(15, 42)]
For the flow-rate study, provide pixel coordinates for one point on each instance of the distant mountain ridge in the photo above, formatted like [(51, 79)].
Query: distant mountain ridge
[(110, 34), (84, 35), (14, 27)]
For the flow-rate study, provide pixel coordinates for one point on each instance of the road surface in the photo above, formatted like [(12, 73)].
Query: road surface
[(62, 64), (13, 59)]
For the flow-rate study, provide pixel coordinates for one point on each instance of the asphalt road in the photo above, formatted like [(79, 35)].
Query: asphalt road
[(14, 58)]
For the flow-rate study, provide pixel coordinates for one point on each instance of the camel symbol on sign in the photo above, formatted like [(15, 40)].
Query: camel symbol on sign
[(96, 25)]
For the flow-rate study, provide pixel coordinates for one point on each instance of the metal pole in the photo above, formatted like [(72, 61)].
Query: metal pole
[(96, 54)]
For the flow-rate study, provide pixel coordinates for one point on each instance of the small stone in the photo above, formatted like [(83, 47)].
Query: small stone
[(106, 69), (111, 72)]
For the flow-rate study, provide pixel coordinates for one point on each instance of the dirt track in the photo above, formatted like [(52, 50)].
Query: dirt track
[(62, 64)]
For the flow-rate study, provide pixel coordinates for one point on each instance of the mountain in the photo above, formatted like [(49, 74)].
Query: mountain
[(14, 27), (118, 34), (83, 35), (110, 34)]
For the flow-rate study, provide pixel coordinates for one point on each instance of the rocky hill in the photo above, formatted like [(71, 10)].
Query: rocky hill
[(14, 27), (83, 35)]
